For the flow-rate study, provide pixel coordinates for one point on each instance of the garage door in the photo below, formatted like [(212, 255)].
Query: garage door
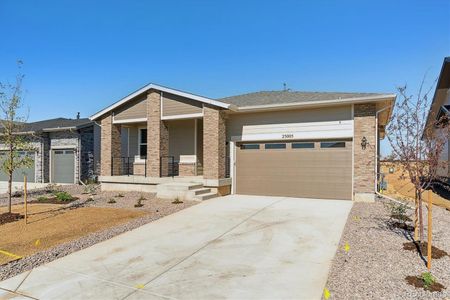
[(296, 169), (19, 173), (63, 166)]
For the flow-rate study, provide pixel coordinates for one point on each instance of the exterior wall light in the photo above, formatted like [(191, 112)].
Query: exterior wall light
[(363, 143)]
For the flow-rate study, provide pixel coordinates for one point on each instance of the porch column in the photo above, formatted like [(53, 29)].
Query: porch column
[(110, 147), (214, 143), (157, 137)]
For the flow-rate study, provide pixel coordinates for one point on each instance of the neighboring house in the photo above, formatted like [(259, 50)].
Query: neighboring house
[(63, 151), (279, 143), (440, 107)]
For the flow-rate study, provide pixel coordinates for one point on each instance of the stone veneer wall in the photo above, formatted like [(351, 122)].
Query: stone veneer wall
[(214, 143), (157, 137), (364, 159), (186, 169), (87, 158)]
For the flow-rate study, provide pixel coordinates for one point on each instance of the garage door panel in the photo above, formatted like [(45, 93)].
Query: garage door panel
[(312, 173), (18, 174), (63, 166)]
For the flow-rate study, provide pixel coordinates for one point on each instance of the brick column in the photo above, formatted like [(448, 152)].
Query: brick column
[(110, 147), (157, 137), (214, 143), (364, 159)]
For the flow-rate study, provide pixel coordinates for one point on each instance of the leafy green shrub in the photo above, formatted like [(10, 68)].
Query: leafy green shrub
[(63, 196), (42, 198), (112, 200), (428, 280)]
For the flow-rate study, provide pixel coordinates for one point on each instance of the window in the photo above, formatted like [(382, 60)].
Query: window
[(249, 146), (275, 146), (302, 145), (143, 143), (332, 145)]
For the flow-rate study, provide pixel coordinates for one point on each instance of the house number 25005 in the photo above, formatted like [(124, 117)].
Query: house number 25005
[(287, 136)]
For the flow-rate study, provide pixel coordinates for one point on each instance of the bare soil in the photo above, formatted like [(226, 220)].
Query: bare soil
[(10, 217), (422, 249), (418, 282), (51, 224)]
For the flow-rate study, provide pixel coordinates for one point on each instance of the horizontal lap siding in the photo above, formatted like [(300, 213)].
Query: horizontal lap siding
[(175, 105), (135, 109)]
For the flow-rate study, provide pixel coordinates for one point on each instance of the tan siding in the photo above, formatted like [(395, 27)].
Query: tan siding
[(175, 105), (181, 138), (134, 109), (295, 172)]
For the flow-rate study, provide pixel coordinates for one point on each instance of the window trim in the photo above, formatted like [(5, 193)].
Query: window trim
[(141, 157)]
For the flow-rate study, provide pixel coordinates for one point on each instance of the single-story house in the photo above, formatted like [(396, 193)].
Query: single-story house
[(440, 107), (63, 151), (280, 143)]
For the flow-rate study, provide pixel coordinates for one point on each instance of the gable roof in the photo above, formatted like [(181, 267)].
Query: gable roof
[(443, 84), (162, 89), (55, 124), (286, 98)]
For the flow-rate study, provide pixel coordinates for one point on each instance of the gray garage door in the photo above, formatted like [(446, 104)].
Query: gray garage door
[(19, 173), (63, 166), (320, 169)]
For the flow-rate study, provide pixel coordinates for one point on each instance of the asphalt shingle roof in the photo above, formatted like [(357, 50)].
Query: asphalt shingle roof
[(286, 97), (54, 124)]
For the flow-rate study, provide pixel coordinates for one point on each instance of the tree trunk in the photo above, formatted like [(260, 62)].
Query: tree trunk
[(420, 218), (9, 193), (416, 217)]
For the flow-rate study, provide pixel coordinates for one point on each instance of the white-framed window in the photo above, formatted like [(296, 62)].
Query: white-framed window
[(142, 143)]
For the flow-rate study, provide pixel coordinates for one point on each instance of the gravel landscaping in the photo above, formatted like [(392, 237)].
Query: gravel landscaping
[(153, 207), (375, 265)]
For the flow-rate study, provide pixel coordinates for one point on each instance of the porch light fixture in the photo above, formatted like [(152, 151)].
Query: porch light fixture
[(363, 143)]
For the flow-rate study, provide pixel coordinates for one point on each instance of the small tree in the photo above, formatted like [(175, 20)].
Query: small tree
[(416, 145), (12, 124)]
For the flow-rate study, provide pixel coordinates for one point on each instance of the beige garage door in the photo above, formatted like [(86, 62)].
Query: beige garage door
[(299, 169)]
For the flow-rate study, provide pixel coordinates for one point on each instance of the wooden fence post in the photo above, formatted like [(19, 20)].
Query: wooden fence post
[(430, 228), (25, 197)]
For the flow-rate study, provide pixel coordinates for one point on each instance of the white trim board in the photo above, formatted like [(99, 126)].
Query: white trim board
[(297, 131), (181, 117), (126, 121), (162, 89)]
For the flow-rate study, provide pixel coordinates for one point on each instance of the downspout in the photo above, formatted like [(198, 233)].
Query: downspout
[(376, 145)]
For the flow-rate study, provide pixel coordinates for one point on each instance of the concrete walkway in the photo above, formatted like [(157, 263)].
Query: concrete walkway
[(234, 247)]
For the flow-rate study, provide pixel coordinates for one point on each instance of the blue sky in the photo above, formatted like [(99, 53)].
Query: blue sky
[(84, 55)]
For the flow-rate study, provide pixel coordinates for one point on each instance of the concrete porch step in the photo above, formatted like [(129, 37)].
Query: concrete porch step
[(206, 196), (201, 191), (184, 191)]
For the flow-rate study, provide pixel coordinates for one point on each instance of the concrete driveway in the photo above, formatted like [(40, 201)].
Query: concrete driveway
[(234, 247)]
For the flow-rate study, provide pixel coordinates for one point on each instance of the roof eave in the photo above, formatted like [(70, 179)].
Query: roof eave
[(162, 89), (310, 104)]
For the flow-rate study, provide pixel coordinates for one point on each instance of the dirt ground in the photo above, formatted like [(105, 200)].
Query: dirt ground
[(403, 189), (51, 224)]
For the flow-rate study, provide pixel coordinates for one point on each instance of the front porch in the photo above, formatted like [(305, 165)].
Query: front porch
[(164, 147)]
